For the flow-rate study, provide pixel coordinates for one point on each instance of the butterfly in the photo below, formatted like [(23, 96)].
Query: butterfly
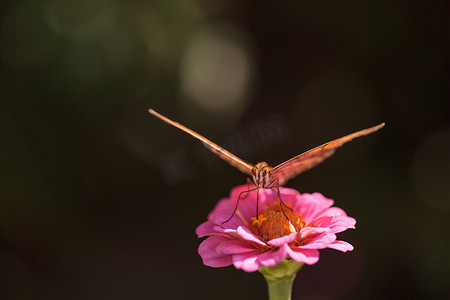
[(265, 176)]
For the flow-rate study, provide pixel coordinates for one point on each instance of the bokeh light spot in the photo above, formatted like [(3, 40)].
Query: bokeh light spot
[(216, 70)]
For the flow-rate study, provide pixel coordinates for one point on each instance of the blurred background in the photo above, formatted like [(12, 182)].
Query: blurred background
[(100, 200)]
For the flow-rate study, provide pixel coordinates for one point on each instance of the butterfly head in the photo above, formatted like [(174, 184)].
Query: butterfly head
[(261, 174)]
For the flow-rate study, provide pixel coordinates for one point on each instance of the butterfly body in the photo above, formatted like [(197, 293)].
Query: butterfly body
[(261, 174)]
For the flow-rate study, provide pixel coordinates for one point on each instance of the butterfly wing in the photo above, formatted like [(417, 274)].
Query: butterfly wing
[(230, 158), (315, 156)]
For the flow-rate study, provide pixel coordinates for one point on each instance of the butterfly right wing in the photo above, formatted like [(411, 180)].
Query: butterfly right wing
[(230, 158), (315, 156)]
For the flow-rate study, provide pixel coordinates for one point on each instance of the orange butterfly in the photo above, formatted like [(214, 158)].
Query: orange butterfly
[(263, 175)]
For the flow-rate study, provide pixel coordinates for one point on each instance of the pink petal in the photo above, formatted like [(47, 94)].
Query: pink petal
[(333, 211), (247, 201), (311, 205), (230, 231), (268, 196), (247, 205), (204, 229), (209, 228), (341, 246), (247, 235), (286, 239), (271, 258), (237, 190), (247, 261), (351, 222), (218, 262), (234, 247), (210, 256), (310, 232), (320, 242), (307, 256), (290, 196), (335, 223), (223, 204), (223, 215)]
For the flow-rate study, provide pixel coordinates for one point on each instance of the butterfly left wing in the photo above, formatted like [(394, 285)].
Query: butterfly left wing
[(229, 157), (315, 156)]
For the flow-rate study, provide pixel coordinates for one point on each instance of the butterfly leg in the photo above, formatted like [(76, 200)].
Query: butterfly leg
[(237, 202), (249, 182), (257, 204), (275, 185)]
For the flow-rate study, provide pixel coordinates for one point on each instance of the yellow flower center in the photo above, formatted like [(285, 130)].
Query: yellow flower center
[(272, 223)]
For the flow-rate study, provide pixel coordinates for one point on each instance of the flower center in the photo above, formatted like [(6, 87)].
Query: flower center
[(272, 223)]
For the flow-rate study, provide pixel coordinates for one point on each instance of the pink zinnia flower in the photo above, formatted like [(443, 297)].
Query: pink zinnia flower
[(249, 242)]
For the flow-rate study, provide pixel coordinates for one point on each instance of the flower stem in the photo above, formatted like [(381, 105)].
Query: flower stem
[(280, 290), (280, 279)]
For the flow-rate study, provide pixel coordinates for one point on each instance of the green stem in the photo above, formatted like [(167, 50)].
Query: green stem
[(280, 290), (280, 279)]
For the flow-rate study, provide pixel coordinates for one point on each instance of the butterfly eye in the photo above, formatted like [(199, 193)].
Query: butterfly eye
[(253, 172), (264, 172)]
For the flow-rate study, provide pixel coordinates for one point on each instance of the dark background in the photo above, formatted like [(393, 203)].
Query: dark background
[(100, 200)]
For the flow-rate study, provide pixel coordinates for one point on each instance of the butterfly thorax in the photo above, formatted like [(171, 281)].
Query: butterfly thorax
[(261, 175)]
